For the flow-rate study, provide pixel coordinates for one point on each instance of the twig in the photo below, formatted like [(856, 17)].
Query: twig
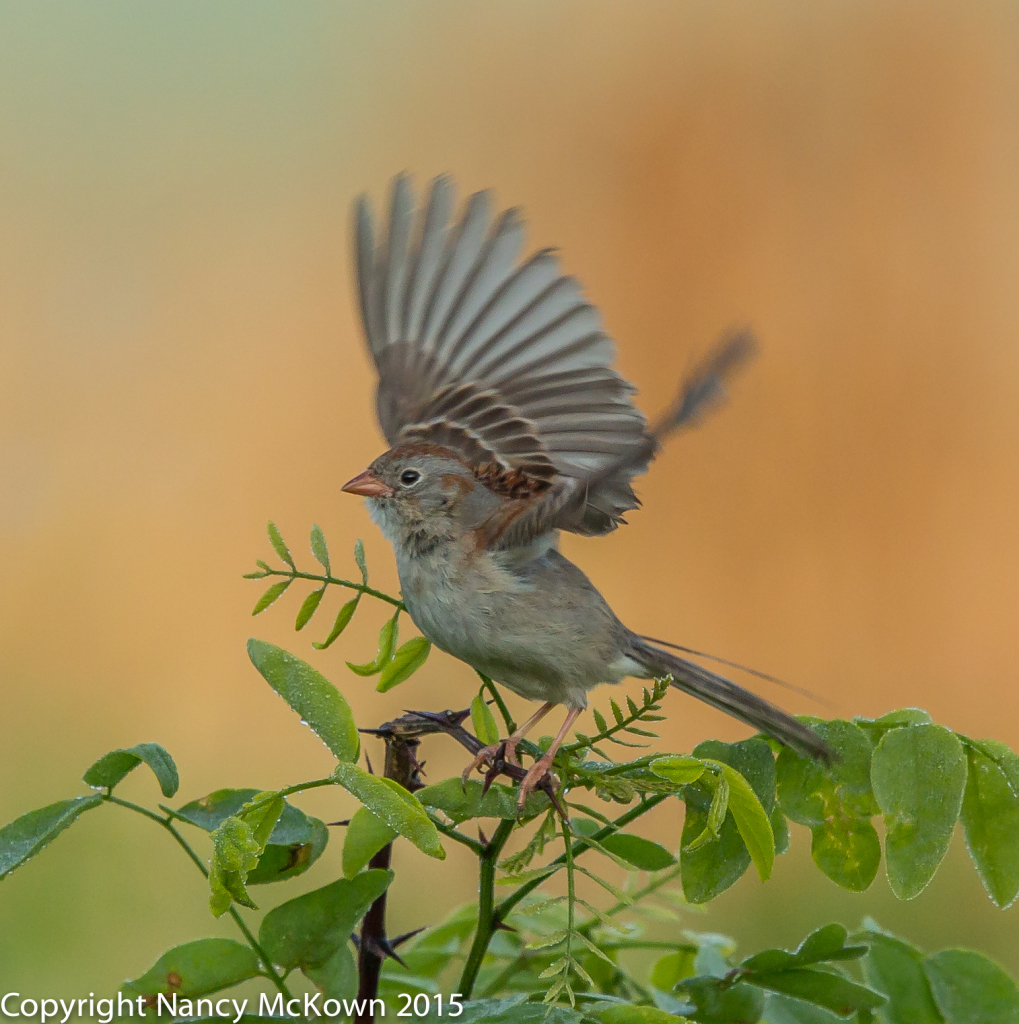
[(294, 574), (402, 766)]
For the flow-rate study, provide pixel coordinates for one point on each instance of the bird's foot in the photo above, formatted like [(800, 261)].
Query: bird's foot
[(495, 756), (488, 756), (539, 776)]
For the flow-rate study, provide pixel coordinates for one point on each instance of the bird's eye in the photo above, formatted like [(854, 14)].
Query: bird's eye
[(409, 477)]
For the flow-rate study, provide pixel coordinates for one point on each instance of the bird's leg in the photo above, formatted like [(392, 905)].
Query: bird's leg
[(506, 748), (543, 765)]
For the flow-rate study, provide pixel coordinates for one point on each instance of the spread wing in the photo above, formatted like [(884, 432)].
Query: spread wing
[(499, 358), (562, 505)]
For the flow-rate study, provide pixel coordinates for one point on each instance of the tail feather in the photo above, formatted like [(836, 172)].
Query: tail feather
[(725, 695)]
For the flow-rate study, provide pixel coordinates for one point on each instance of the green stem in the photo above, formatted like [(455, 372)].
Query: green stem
[(578, 848), (301, 786), (270, 970), (362, 587), (642, 944), (511, 726), (488, 916), (571, 902), (448, 830)]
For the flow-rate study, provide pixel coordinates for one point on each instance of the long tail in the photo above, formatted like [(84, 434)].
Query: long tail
[(725, 695)]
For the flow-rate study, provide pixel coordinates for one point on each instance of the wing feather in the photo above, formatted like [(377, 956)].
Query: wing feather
[(503, 360), (428, 257), (463, 249)]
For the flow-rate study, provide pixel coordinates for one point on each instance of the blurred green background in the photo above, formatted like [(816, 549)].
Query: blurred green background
[(181, 360)]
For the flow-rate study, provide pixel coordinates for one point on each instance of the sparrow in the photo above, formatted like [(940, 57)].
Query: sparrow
[(508, 425)]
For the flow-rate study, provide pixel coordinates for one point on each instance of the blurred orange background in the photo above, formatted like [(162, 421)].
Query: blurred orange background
[(181, 360)]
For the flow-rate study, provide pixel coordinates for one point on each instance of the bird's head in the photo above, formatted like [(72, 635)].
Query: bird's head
[(421, 494)]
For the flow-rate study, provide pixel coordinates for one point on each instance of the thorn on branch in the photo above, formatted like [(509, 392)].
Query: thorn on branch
[(401, 939), (382, 948)]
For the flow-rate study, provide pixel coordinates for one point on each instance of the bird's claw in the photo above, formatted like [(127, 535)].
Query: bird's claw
[(498, 757), (493, 756), (539, 776)]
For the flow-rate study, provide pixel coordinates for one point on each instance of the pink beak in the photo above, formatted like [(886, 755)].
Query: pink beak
[(369, 485)]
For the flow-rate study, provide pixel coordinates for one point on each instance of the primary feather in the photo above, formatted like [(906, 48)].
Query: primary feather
[(501, 360)]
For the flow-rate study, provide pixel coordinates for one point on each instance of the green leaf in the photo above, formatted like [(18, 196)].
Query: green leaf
[(641, 853), (407, 660), (970, 988), (836, 803), (208, 812), (990, 818), (895, 968), (780, 827), (337, 977), (366, 835), (620, 1014), (112, 767), (820, 946), (282, 861), (237, 845), (23, 838), (394, 805), (673, 968), (311, 695), (319, 548), (678, 768), (196, 968), (719, 805), (919, 816), (831, 991), (343, 617), (387, 641), (361, 563), (307, 931), (751, 819), (719, 1003), (875, 728), (270, 595), (461, 802), (484, 722), (617, 714), (308, 608), (280, 547), (848, 852), (713, 868), (781, 1009)]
